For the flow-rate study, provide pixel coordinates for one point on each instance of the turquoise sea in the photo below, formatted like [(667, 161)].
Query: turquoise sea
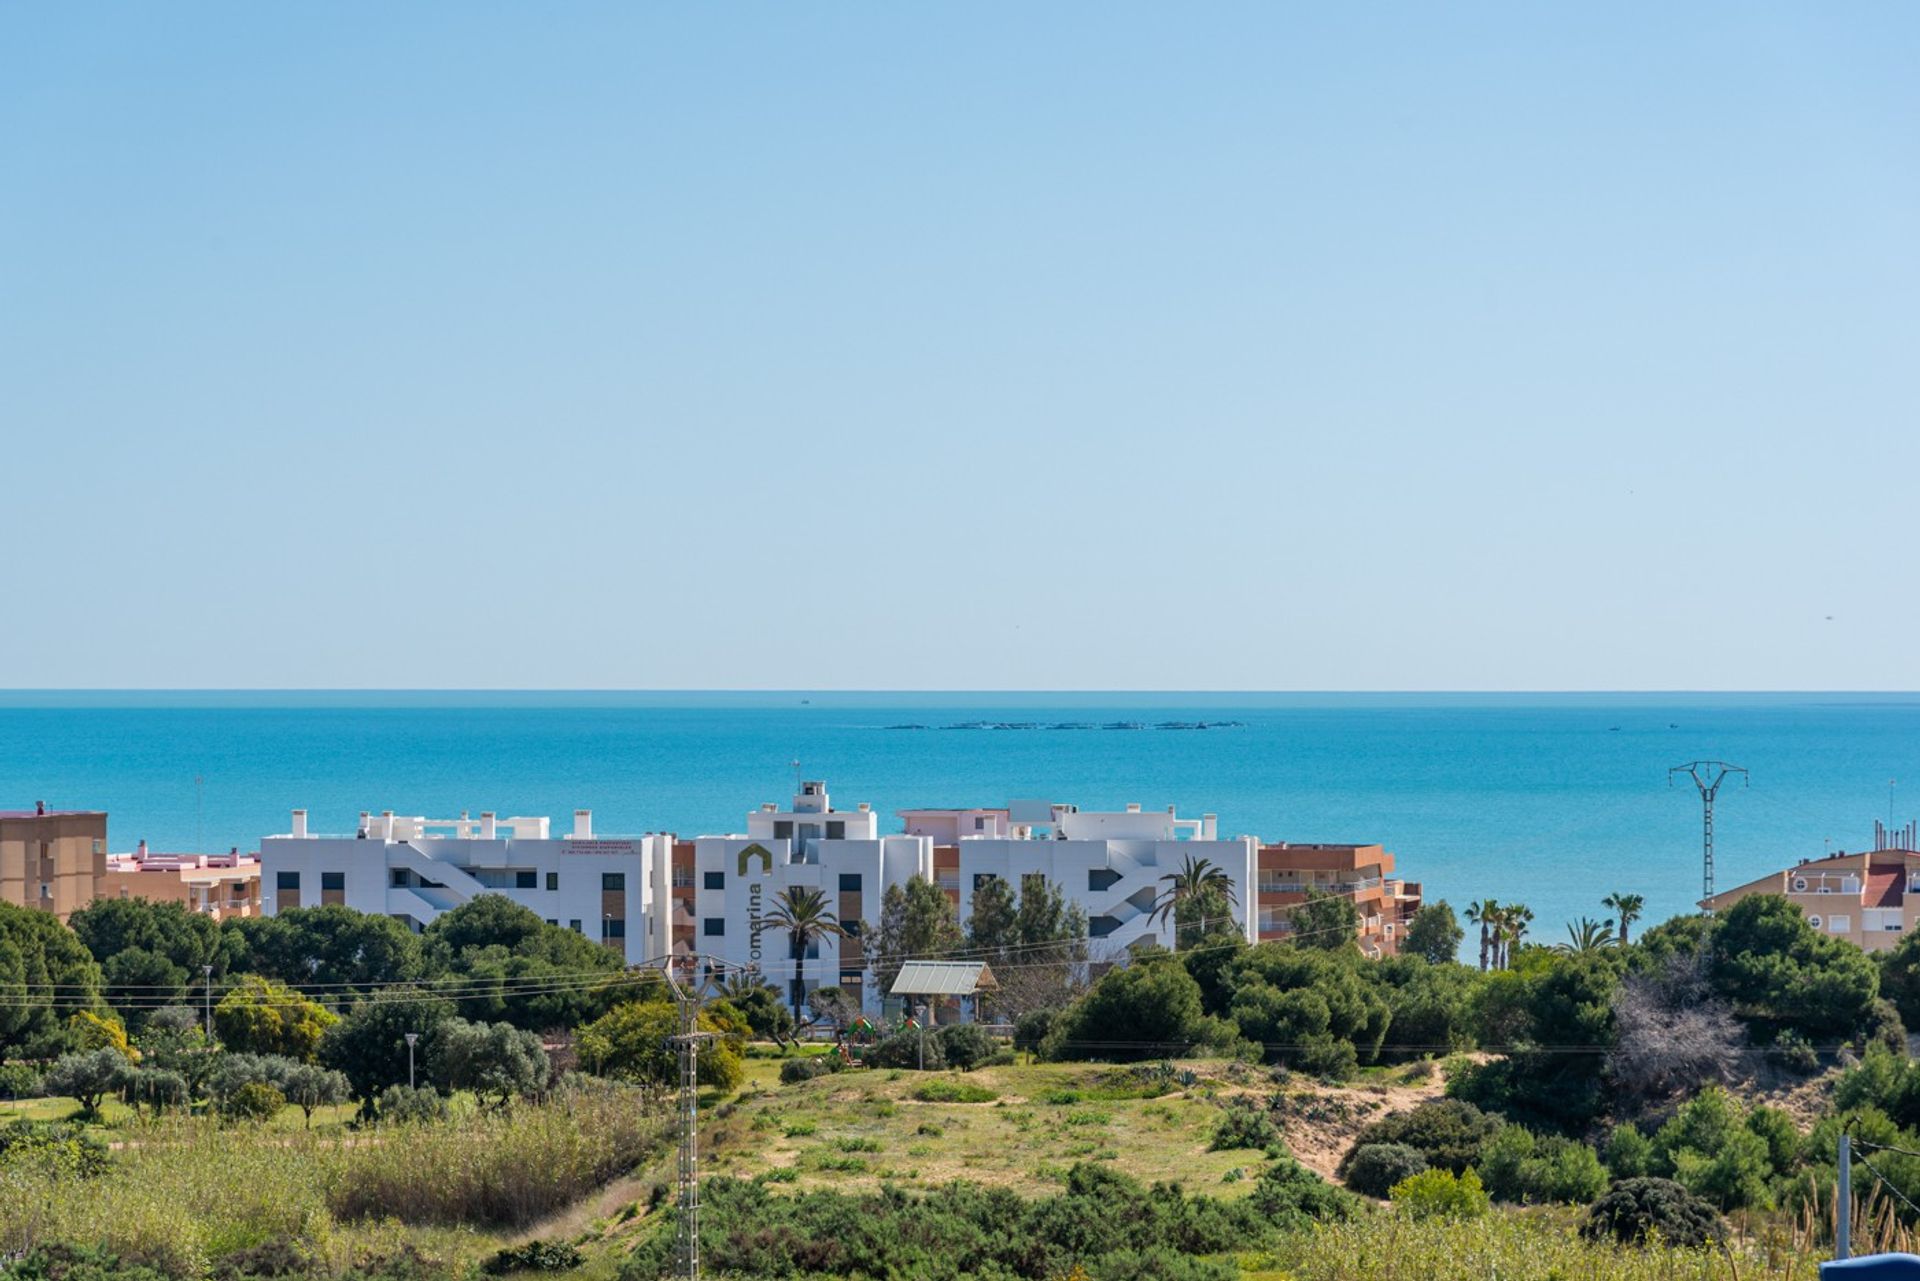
[(1552, 800)]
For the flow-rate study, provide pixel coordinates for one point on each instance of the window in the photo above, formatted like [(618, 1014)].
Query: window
[(611, 881), (574, 925), (836, 829), (714, 880), (399, 877), (551, 921), (614, 927), (528, 880), (99, 847), (714, 926), (1100, 926), (850, 928), (979, 823), (1101, 878), (783, 829), (553, 881), (286, 881), (980, 880), (333, 881), (1839, 925), (849, 882)]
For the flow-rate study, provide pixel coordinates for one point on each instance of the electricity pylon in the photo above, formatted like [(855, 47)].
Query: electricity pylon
[(1707, 776), (688, 1042)]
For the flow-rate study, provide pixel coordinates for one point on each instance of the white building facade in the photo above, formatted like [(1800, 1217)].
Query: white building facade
[(648, 896), (414, 869)]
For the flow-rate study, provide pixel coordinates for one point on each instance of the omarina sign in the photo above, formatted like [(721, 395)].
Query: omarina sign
[(755, 890)]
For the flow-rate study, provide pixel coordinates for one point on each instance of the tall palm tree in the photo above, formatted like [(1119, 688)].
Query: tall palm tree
[(1485, 914), (1628, 908), (1514, 919), (802, 912), (1196, 878), (1587, 937)]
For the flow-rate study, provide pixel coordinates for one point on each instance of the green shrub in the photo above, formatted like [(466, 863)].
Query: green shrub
[(254, 1101), (1031, 1028), (1635, 1209), (967, 1045), (1440, 1194), (1375, 1168), (1517, 1165), (1244, 1126), (1792, 1051), (1291, 1197), (404, 1105), (1629, 1152), (909, 1049), (945, 1091), (54, 1146), (794, 1071), (1448, 1132), (61, 1262), (536, 1256), (20, 1081)]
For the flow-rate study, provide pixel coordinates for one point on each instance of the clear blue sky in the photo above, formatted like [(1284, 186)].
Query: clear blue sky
[(960, 346)]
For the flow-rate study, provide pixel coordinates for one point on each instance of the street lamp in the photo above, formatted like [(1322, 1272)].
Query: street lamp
[(412, 1037), (208, 971)]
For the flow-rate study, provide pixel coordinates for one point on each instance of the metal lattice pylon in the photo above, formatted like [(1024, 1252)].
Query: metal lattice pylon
[(1707, 776), (687, 1042)]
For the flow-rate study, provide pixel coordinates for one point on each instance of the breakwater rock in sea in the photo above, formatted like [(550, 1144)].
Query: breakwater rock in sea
[(1073, 725)]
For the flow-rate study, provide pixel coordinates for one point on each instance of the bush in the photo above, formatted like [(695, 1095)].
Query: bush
[(1635, 1209), (944, 1091), (20, 1081), (404, 1105), (1448, 1132), (794, 1071), (254, 1101), (1794, 1052), (1441, 1194), (1629, 1152), (1031, 1028), (967, 1045), (54, 1146), (536, 1256), (1290, 1196), (1518, 1166), (1244, 1126), (904, 1050), (86, 1077), (1148, 1009), (1375, 1168)]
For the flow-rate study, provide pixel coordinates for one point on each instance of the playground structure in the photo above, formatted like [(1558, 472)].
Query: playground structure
[(856, 1043)]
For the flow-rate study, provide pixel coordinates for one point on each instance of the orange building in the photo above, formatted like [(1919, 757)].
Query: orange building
[(1289, 872), (216, 885), (51, 859), (1871, 899)]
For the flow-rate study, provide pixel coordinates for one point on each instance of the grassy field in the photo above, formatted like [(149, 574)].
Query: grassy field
[(859, 1129)]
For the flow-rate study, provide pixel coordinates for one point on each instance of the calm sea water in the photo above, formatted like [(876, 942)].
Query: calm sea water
[(1552, 800)]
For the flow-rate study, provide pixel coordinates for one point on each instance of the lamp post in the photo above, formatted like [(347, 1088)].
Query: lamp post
[(923, 1036), (412, 1037), (207, 970)]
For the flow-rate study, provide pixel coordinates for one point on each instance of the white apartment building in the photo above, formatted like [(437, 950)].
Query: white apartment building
[(712, 895), (414, 869)]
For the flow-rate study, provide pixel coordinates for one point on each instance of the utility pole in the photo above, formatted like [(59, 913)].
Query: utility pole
[(688, 1043), (1843, 1199), (1707, 776), (208, 971), (412, 1039)]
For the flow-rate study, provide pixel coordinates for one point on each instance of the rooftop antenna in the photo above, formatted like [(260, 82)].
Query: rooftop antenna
[(1707, 776), (199, 825), (795, 763)]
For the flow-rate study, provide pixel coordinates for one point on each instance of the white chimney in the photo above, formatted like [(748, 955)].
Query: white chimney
[(1133, 808), (366, 823), (486, 825), (583, 825), (299, 825), (386, 825), (141, 853)]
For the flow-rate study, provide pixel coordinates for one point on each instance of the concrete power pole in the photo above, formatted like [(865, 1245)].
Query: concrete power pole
[(1707, 776)]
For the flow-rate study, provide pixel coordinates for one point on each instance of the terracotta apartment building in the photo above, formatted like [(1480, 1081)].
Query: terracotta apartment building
[(1870, 898), (1289, 872), (51, 859)]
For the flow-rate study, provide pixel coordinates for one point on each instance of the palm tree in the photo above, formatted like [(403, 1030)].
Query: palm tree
[(1586, 938), (1509, 931), (1485, 914), (802, 912), (1196, 878), (1628, 907)]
